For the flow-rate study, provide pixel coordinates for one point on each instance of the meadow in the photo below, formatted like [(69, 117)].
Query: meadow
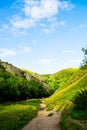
[(14, 116)]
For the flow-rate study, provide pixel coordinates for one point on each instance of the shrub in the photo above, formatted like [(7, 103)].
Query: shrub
[(80, 99)]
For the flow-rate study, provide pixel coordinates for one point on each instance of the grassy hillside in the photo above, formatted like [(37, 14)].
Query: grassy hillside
[(76, 82), (58, 80)]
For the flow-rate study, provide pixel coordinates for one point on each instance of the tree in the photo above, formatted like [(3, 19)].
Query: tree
[(84, 62)]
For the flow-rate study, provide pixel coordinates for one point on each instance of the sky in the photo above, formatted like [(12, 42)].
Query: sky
[(43, 36)]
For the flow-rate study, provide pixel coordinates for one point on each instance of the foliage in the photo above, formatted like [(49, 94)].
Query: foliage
[(67, 123), (78, 114), (84, 64), (80, 99), (14, 116), (16, 88)]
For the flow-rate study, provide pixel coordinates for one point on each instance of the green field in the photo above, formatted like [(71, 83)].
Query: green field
[(13, 116)]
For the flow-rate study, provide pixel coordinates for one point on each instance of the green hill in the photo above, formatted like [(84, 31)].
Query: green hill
[(77, 81), (59, 79)]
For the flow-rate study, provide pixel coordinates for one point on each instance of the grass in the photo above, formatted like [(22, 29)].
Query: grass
[(60, 98), (13, 116), (71, 119), (59, 79)]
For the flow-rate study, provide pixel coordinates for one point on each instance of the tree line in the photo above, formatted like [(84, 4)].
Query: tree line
[(14, 88)]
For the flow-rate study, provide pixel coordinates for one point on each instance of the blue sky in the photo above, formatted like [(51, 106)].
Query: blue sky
[(43, 36)]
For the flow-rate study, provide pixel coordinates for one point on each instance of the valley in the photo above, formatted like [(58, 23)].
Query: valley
[(22, 91)]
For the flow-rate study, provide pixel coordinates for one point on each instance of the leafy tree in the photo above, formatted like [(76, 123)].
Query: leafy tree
[(2, 84), (12, 90), (84, 62), (24, 89)]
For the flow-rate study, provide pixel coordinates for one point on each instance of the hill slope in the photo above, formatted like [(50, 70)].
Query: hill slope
[(59, 79), (76, 82)]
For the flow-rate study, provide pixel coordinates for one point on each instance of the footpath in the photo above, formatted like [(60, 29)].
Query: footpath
[(46, 120)]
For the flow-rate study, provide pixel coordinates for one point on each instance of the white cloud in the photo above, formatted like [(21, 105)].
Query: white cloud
[(41, 9), (66, 5), (19, 22), (37, 12), (7, 52), (53, 24)]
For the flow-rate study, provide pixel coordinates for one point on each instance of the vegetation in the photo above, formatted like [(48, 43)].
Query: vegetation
[(74, 116), (33, 74), (58, 80), (16, 86), (62, 96), (65, 86), (80, 100), (84, 64), (72, 119), (14, 116), (79, 114)]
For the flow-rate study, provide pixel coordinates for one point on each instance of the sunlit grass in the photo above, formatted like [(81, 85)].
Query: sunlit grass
[(14, 116), (60, 98)]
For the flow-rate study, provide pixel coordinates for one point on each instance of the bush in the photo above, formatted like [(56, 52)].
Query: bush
[(80, 99)]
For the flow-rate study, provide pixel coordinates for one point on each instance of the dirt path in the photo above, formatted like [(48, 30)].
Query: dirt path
[(43, 121)]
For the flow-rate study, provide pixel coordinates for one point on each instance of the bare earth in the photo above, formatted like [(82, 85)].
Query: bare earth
[(43, 121)]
